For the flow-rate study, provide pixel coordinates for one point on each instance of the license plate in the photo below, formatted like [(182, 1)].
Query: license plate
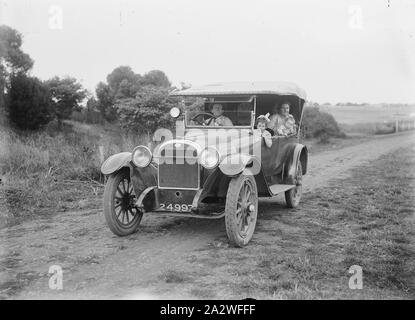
[(175, 207)]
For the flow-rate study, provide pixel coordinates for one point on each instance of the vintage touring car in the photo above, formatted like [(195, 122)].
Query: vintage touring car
[(211, 169)]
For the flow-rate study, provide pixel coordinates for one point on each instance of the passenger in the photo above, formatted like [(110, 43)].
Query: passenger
[(261, 129), (218, 118), (282, 122)]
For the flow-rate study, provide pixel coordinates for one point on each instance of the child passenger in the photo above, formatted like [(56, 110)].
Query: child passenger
[(261, 129)]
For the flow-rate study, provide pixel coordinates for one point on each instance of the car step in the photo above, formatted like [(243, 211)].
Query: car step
[(278, 188), (215, 215)]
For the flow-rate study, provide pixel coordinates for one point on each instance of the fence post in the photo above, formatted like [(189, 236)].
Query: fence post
[(101, 154), (101, 159)]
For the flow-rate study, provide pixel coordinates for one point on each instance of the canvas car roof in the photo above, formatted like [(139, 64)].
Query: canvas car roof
[(242, 88)]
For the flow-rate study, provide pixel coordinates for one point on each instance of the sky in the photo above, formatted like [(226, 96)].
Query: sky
[(357, 51)]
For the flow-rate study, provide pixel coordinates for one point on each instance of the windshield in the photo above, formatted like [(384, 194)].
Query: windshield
[(219, 112)]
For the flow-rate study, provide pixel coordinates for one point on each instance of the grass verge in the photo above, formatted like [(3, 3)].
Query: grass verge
[(50, 171)]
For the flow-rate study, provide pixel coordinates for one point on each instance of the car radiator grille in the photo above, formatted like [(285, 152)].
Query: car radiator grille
[(177, 171)]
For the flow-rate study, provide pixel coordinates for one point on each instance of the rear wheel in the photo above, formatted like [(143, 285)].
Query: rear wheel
[(241, 210), (293, 196), (122, 215)]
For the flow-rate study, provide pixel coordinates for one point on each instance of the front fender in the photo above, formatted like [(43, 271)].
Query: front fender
[(116, 162), (235, 164)]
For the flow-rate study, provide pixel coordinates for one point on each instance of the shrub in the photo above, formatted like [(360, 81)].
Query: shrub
[(106, 100), (67, 93), (147, 112), (88, 116), (320, 124), (124, 85), (28, 103)]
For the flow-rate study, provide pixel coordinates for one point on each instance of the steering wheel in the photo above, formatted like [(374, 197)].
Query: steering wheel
[(202, 122)]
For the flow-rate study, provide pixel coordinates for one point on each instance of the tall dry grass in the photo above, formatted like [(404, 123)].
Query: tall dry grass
[(50, 171)]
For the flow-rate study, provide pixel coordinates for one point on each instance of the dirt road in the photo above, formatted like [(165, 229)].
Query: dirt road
[(97, 264)]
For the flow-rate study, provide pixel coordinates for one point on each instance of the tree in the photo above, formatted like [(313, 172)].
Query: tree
[(92, 104), (91, 111), (156, 78), (12, 60), (123, 82), (29, 102), (123, 86), (147, 112), (67, 94), (106, 101)]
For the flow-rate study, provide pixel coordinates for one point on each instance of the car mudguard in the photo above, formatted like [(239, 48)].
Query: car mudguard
[(116, 162), (235, 164), (141, 178), (295, 152)]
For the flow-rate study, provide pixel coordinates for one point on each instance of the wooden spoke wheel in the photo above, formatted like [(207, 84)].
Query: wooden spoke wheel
[(120, 211), (293, 196), (241, 209)]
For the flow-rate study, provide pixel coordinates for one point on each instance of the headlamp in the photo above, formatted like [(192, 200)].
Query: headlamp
[(209, 158), (142, 156)]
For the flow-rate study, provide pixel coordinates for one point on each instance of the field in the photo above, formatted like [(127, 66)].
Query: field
[(368, 113), (370, 119)]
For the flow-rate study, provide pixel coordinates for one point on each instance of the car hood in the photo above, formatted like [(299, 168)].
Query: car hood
[(227, 142)]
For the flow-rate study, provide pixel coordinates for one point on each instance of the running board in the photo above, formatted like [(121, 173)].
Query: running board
[(216, 215), (278, 188)]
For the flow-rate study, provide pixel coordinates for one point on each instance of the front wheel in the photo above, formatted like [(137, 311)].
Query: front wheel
[(293, 196), (120, 211), (241, 210)]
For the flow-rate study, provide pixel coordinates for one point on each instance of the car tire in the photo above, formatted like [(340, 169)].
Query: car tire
[(293, 196), (121, 214), (241, 209)]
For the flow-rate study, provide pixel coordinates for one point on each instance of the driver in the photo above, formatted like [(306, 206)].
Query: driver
[(218, 118)]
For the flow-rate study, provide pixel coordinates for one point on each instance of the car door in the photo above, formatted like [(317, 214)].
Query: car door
[(272, 159)]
